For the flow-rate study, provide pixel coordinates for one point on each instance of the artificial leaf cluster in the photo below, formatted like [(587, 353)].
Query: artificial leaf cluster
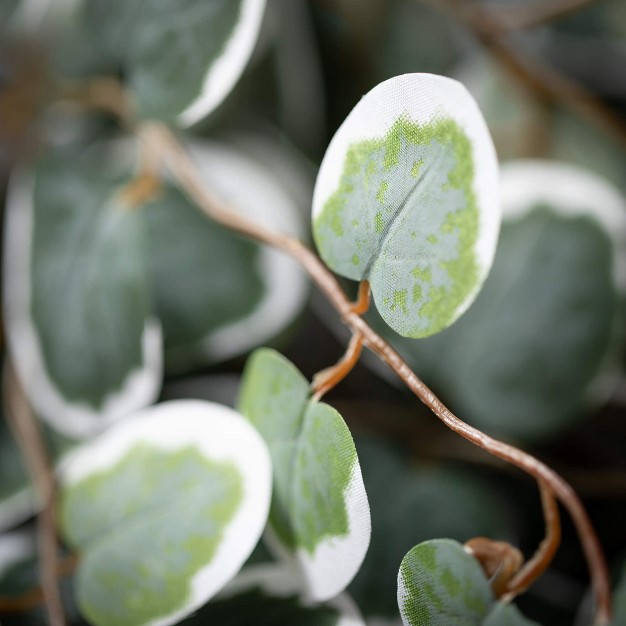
[(113, 279)]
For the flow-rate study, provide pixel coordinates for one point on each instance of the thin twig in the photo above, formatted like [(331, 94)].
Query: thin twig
[(538, 564), (186, 174), (331, 376), (34, 597), (26, 431), (547, 83), (499, 560)]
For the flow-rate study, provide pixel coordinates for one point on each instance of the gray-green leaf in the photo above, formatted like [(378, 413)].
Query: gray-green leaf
[(439, 584), (79, 324), (217, 294), (407, 198), (181, 59), (164, 508), (319, 516), (545, 328)]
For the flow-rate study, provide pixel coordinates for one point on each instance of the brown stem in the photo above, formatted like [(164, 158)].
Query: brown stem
[(545, 82), (34, 597), (499, 560), (330, 377), (185, 173), (362, 304), (26, 431), (104, 94), (538, 564)]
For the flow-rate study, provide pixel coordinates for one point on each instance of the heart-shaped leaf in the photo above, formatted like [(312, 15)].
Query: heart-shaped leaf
[(79, 325), (181, 59), (407, 198), (545, 328), (439, 584), (164, 507), (217, 294), (319, 518), (269, 594)]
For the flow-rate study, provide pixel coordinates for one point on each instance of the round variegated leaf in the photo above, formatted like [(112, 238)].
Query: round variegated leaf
[(439, 584), (546, 328), (407, 198), (181, 59), (77, 304), (217, 294), (164, 508), (269, 594), (319, 518)]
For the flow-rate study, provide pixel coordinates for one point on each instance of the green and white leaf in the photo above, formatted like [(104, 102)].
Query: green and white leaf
[(546, 326), (15, 547), (319, 519), (570, 191), (164, 507), (428, 504), (77, 305), (439, 584), (181, 59), (219, 295), (269, 594), (407, 198)]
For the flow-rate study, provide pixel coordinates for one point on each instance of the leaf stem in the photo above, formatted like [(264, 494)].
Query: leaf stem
[(183, 170), (538, 564), (26, 431), (34, 597), (330, 377)]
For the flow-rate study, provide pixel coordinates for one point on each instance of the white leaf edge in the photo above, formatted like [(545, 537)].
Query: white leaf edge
[(75, 419), (247, 188), (220, 434), (278, 580), (15, 547), (336, 560), (18, 507), (422, 98), (574, 191), (225, 71)]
